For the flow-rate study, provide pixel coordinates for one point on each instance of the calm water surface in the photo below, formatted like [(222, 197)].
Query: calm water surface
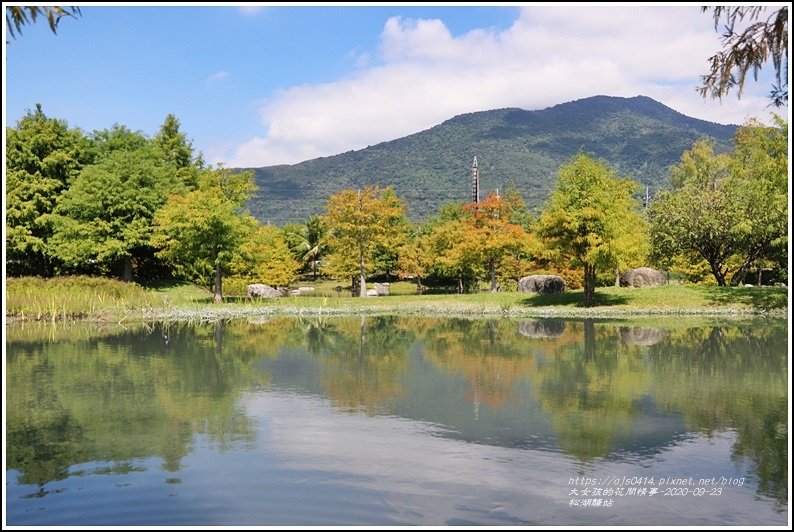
[(398, 421)]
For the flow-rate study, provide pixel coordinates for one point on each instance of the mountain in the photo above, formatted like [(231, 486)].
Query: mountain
[(638, 137)]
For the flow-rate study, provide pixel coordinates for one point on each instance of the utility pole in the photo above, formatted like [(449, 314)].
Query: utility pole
[(475, 182)]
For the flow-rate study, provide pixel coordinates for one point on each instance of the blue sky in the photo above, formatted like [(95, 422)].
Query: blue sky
[(255, 86)]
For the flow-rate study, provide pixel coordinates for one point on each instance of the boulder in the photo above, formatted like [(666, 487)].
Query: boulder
[(263, 290), (305, 290), (372, 292), (541, 284), (382, 288), (639, 277)]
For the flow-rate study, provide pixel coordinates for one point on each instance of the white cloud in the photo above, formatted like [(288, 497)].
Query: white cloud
[(221, 75), (424, 75), (251, 10)]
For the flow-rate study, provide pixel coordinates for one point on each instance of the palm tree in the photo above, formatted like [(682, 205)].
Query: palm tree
[(312, 243)]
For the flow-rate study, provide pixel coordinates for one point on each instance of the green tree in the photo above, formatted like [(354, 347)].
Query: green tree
[(106, 215), (358, 222), (590, 218), (43, 156), (759, 175), (178, 151), (748, 49), (308, 242), (19, 16), (200, 233), (730, 209)]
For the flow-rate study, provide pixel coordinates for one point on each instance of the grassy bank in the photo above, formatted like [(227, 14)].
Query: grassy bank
[(70, 298)]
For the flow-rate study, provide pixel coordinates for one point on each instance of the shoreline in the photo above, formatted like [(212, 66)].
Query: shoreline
[(213, 313)]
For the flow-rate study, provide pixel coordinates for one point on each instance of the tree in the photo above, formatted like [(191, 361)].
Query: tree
[(358, 221), (454, 250), (495, 235), (43, 156), (106, 215), (590, 217), (759, 176), (263, 257), (307, 242), (748, 49), (730, 210), (22, 15), (178, 151), (200, 232)]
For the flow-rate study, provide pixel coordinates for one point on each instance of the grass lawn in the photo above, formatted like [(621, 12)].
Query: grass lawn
[(100, 298)]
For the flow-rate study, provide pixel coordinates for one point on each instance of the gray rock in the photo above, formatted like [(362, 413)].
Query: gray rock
[(382, 288), (542, 284), (305, 290), (263, 290), (639, 277), (371, 292)]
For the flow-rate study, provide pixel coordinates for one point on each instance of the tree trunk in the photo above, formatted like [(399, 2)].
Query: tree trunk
[(760, 274), (589, 289), (492, 271), (218, 284), (460, 284), (617, 276), (718, 274), (314, 270), (128, 268), (362, 274)]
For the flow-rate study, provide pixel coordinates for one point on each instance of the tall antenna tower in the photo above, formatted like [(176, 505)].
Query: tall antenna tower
[(475, 181)]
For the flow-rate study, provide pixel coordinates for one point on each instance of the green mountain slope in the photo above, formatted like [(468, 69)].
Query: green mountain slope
[(639, 137)]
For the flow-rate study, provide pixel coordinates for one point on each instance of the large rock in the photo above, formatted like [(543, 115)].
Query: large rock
[(382, 288), (541, 284), (263, 290), (639, 277), (371, 292)]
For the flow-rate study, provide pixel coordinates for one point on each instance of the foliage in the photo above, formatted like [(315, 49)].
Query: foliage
[(729, 210), (106, 214), (178, 151), (359, 222), (200, 232), (43, 157), (263, 257), (19, 16), (493, 235), (748, 49), (637, 136), (591, 219), (308, 242)]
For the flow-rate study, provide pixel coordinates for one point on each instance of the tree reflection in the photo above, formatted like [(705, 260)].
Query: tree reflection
[(120, 396), (732, 378), (590, 388)]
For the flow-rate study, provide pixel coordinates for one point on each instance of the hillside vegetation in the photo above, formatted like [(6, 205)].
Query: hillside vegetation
[(638, 137)]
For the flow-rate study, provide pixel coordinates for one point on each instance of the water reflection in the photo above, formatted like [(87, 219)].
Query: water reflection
[(590, 390)]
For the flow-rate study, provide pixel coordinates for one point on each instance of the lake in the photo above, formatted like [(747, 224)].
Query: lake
[(398, 421)]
